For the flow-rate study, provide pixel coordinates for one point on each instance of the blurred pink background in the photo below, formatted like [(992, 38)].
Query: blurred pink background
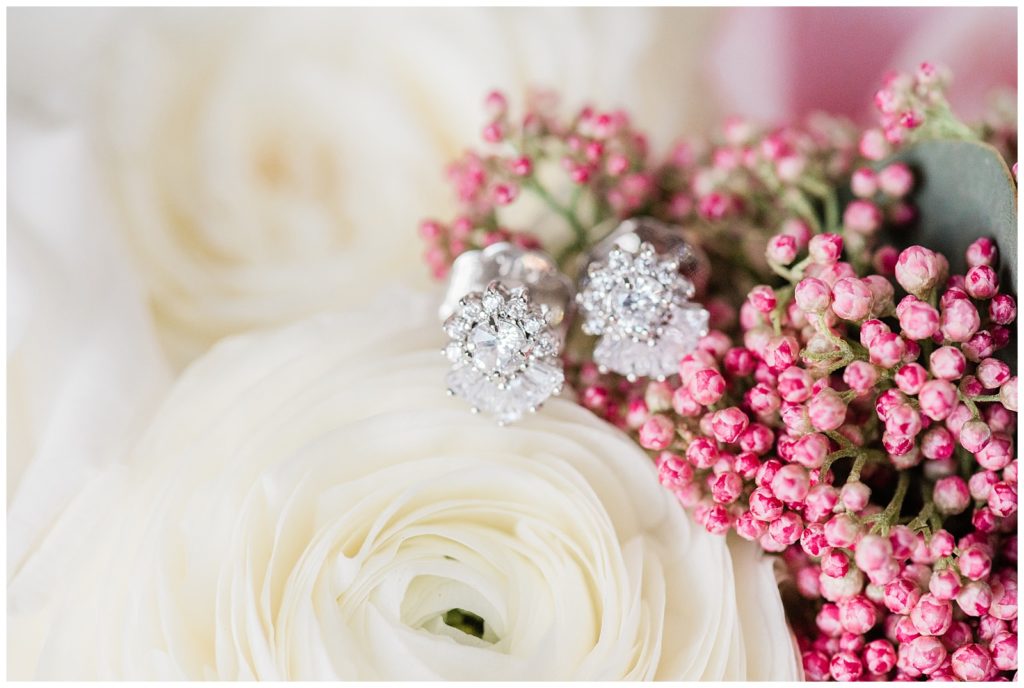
[(774, 63)]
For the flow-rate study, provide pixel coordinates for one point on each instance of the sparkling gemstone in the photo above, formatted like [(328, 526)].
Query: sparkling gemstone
[(639, 306), (506, 361)]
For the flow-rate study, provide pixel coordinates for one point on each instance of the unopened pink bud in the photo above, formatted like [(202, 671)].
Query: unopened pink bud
[(960, 320), (982, 251), (981, 282), (862, 216), (707, 386), (896, 180), (826, 410), (851, 299), (791, 483), (947, 363), (812, 295), (919, 270), (763, 298), (1002, 309), (974, 435), (825, 249), (782, 249), (864, 182)]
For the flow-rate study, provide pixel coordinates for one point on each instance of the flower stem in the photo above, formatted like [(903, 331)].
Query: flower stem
[(889, 516)]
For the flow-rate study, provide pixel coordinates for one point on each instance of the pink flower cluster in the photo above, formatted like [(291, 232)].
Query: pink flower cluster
[(808, 434), (855, 413)]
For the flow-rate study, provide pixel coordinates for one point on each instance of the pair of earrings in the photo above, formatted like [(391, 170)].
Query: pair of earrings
[(507, 311)]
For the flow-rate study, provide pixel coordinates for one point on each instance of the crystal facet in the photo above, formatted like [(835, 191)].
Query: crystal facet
[(505, 359), (639, 304)]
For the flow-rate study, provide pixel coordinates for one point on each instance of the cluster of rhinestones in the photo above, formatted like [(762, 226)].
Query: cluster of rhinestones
[(504, 354), (639, 304)]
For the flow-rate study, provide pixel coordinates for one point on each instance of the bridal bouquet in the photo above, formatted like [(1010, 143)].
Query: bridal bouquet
[(810, 329), (744, 411)]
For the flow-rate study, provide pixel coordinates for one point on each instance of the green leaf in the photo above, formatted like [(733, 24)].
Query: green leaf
[(963, 190)]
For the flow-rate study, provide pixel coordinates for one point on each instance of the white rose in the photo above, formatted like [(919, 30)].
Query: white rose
[(309, 504), (84, 369), (268, 165)]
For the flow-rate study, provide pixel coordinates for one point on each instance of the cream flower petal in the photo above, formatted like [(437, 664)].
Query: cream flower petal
[(309, 504)]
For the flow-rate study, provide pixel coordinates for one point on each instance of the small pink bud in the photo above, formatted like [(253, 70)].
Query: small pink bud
[(901, 596), (657, 432), (707, 386), (903, 420), (992, 373), (812, 540), (862, 216), (951, 495), (786, 529), (522, 166), (944, 584), (981, 282), (960, 320), (727, 424), (726, 487), (702, 452), (974, 435), (857, 614), (972, 662), (825, 249), (764, 506), (887, 350), (1002, 499), (873, 144), (918, 320), (841, 531), (896, 180), (782, 249), (854, 497), (810, 450), (791, 483), (762, 297), (673, 471), (864, 182), (861, 376), (1004, 651), (932, 616), (846, 666), (937, 442), (762, 399), (974, 598), (879, 657), (919, 270), (717, 520), (812, 295), (911, 378), (851, 299), (1008, 394), (924, 654), (974, 563), (947, 363), (816, 665), (982, 251), (1002, 309), (827, 410)]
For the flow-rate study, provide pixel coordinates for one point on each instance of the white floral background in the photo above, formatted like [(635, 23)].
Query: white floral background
[(176, 177)]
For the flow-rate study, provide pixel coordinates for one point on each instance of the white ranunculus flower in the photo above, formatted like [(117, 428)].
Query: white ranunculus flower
[(270, 164), (309, 504), (84, 368)]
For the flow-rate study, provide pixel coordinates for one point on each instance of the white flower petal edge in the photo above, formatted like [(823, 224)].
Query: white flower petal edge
[(84, 369), (308, 503), (269, 164)]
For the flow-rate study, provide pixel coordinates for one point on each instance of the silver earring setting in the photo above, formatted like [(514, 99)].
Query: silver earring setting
[(635, 295), (505, 315)]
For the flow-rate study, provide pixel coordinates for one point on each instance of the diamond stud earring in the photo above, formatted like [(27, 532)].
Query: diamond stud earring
[(635, 293), (505, 316)]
